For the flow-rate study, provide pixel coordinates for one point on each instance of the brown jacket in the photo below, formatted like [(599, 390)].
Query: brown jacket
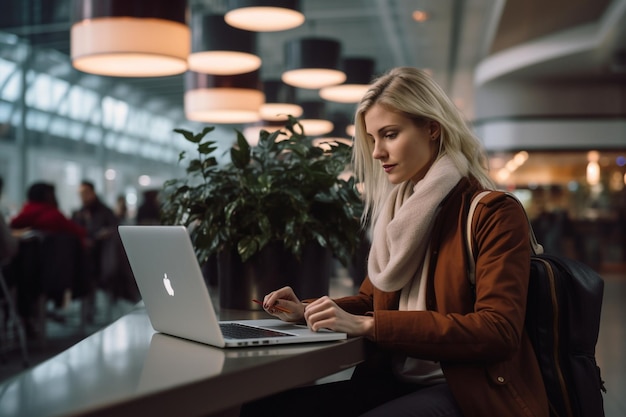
[(477, 336)]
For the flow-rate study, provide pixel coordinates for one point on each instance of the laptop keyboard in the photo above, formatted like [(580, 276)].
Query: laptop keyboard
[(241, 331)]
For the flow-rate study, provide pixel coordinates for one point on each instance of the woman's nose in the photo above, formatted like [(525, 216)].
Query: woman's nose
[(378, 152)]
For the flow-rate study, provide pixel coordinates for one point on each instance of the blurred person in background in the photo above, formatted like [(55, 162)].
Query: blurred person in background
[(41, 213), (107, 265), (50, 246), (121, 210), (149, 212)]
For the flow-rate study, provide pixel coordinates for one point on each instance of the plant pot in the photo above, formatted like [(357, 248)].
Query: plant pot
[(268, 270)]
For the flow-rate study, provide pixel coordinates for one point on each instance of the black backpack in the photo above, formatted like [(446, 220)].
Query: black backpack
[(562, 321)]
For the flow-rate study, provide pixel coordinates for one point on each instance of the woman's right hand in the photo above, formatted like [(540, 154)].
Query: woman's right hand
[(284, 299)]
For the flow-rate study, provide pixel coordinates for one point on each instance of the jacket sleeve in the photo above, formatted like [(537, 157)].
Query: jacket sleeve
[(360, 304), (457, 330)]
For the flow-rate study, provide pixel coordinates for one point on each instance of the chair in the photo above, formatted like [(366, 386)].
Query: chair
[(47, 267), (12, 325)]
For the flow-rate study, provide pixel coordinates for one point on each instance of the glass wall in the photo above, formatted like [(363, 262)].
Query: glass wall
[(61, 126)]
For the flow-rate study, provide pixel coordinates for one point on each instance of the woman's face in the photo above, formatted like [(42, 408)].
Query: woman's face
[(405, 150)]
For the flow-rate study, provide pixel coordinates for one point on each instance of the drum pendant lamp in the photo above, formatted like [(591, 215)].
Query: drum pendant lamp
[(280, 101), (218, 48), (264, 15), (314, 121), (229, 99), (359, 73), (312, 63), (130, 38)]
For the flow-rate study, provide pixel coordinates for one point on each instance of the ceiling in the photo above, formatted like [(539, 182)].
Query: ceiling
[(451, 43)]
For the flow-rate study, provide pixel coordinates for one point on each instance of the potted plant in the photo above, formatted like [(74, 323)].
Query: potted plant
[(270, 209)]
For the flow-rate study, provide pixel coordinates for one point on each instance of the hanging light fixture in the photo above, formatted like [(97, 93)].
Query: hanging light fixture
[(130, 38), (359, 73), (264, 15), (279, 101), (314, 121), (312, 63), (338, 134), (229, 99), (218, 48)]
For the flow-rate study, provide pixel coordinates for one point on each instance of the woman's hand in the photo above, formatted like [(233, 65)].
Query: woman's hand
[(324, 313), (286, 299)]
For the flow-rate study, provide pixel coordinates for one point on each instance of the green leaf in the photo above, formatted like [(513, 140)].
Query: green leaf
[(240, 154), (198, 138), (187, 134), (247, 247), (206, 148)]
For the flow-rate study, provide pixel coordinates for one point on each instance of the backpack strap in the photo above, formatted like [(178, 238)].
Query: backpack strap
[(535, 246)]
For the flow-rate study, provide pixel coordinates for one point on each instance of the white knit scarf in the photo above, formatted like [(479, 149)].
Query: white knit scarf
[(402, 232)]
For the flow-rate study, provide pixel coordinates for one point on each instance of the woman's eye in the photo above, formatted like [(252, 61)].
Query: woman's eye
[(390, 135)]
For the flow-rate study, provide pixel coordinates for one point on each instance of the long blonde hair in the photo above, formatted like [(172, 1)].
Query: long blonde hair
[(413, 93)]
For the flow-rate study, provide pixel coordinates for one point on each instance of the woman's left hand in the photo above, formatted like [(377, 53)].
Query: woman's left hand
[(324, 313)]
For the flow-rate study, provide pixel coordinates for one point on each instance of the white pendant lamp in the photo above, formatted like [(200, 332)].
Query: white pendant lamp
[(314, 121), (359, 73), (279, 101), (130, 38), (220, 49), (338, 134), (312, 63), (227, 99), (264, 15)]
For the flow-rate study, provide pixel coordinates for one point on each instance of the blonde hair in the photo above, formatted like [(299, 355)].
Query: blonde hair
[(416, 95)]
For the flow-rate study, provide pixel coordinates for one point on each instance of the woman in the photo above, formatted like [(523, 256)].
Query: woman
[(41, 213), (441, 347)]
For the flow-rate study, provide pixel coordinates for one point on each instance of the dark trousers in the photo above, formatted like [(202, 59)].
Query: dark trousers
[(371, 397)]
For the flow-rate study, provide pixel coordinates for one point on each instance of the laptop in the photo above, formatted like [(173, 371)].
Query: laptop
[(177, 298)]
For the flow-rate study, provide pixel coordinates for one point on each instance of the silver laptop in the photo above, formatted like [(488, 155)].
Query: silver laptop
[(177, 298)]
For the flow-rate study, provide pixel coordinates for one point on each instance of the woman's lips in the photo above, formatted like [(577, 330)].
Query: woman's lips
[(388, 167)]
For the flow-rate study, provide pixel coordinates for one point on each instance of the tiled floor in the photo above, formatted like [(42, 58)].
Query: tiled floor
[(610, 350)]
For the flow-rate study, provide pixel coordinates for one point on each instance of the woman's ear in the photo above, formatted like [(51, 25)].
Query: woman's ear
[(434, 130)]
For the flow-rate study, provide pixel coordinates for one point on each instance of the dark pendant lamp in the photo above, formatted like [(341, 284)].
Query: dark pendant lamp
[(264, 15), (218, 48), (280, 101), (130, 38), (359, 73), (312, 63), (229, 99), (314, 120)]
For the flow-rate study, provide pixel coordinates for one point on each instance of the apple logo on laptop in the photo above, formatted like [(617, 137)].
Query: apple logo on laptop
[(168, 285)]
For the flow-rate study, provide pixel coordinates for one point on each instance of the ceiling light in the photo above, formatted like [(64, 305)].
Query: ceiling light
[(359, 73), (420, 16), (131, 38), (314, 121), (264, 16), (230, 99), (217, 48), (279, 101), (339, 132), (312, 63)]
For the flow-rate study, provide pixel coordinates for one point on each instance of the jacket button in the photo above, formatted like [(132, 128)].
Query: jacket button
[(500, 379)]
